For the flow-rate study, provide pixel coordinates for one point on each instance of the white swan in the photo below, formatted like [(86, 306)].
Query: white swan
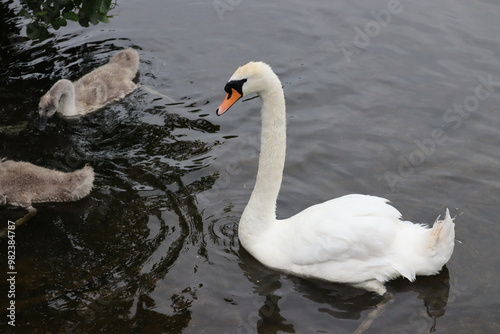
[(22, 184), (110, 82), (354, 239)]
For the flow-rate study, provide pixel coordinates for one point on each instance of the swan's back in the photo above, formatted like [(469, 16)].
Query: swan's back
[(127, 59), (110, 82), (22, 183)]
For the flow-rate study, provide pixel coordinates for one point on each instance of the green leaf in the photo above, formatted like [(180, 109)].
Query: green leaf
[(87, 8), (84, 22), (56, 14), (103, 18), (33, 30), (59, 22), (94, 19), (44, 34), (51, 8), (71, 16), (104, 6), (25, 13)]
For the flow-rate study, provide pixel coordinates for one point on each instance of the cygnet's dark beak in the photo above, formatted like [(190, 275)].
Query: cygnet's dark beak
[(42, 124)]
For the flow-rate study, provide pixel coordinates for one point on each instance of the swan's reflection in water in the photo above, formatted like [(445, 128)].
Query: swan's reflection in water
[(340, 301)]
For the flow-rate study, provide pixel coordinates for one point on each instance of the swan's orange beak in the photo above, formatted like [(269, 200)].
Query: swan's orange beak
[(229, 100)]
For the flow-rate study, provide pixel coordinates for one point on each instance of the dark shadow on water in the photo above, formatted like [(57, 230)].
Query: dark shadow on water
[(433, 290), (91, 265), (108, 247), (340, 301)]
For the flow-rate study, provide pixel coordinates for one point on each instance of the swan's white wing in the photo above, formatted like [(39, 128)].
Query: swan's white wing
[(353, 227)]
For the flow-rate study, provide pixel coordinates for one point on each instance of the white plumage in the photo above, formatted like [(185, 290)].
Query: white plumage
[(355, 239)]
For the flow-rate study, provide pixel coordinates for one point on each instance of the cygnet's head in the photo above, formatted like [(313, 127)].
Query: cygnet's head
[(60, 93), (47, 107), (128, 58)]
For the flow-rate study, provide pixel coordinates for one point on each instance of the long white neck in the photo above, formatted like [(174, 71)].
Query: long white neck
[(64, 92), (260, 212)]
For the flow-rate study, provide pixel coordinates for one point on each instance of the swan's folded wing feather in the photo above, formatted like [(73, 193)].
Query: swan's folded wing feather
[(325, 243), (354, 227)]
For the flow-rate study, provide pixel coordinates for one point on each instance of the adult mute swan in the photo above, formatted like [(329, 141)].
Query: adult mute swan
[(355, 239), (108, 83), (22, 184)]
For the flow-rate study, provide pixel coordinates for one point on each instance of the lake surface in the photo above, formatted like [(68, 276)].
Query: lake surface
[(399, 99)]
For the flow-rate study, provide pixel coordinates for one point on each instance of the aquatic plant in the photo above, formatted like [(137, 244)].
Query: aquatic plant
[(55, 14)]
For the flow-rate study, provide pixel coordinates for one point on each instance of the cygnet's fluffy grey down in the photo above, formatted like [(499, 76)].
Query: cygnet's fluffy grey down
[(22, 184), (108, 83)]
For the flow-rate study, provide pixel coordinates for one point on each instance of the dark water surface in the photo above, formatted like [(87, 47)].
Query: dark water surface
[(389, 98)]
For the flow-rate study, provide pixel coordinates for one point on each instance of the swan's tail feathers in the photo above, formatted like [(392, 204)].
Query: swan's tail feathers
[(442, 240)]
